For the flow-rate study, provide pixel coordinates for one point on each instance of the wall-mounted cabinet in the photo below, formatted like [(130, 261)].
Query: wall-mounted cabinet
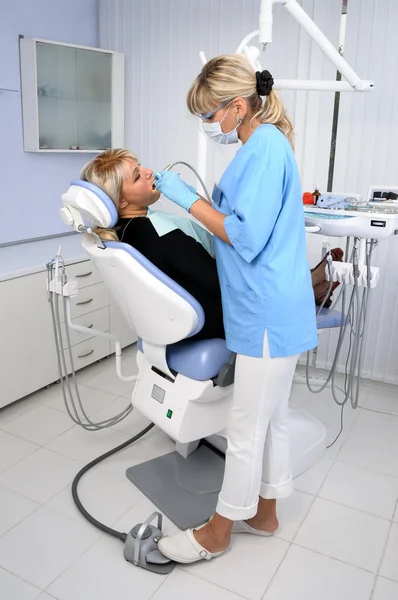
[(72, 97)]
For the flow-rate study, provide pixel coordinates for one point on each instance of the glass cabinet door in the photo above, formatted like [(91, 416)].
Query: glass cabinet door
[(74, 88)]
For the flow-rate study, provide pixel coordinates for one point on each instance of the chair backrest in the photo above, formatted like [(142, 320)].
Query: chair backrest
[(160, 311)]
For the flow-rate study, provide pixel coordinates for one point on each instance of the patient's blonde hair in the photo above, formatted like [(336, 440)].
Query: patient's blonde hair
[(107, 171), (226, 77)]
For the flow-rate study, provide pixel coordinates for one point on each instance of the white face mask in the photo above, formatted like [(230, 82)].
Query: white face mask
[(214, 132)]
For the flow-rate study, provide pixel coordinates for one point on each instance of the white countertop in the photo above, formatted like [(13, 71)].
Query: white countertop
[(32, 257)]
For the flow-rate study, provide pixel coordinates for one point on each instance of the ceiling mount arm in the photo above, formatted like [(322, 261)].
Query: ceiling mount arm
[(353, 81)]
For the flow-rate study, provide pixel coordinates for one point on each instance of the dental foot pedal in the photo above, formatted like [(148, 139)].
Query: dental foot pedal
[(141, 547)]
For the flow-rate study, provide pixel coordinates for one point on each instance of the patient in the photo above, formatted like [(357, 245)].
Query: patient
[(184, 257)]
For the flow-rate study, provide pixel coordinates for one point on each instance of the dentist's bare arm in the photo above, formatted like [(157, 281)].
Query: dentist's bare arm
[(211, 218)]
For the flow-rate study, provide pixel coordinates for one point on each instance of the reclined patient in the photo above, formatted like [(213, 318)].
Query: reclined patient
[(178, 246)]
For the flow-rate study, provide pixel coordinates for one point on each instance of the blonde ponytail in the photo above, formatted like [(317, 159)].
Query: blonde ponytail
[(273, 112), (226, 77)]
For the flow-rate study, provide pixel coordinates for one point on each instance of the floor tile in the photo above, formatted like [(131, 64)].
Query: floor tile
[(380, 385), (154, 444), (344, 533), (41, 547), (51, 397), (373, 443), (104, 496), (41, 475), (389, 565), (364, 490), (86, 565), (291, 513), (13, 509), (247, 568), (323, 407), (383, 400), (13, 449), (181, 585), (40, 425), (92, 399), (102, 573), (18, 408), (305, 575), (385, 589), (86, 445), (13, 588), (311, 481)]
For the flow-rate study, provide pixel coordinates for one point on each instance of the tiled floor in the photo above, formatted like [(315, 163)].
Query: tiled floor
[(339, 530)]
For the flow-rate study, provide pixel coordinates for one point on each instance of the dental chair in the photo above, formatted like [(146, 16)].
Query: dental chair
[(184, 387)]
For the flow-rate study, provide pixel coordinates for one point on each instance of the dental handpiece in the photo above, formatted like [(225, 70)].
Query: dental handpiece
[(165, 169)]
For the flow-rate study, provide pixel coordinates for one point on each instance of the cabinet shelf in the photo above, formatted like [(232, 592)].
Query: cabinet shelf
[(72, 97)]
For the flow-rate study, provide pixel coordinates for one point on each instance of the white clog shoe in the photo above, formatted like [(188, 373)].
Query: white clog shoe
[(243, 527), (183, 548)]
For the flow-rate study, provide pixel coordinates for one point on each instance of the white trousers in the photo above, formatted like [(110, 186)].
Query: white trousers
[(257, 462)]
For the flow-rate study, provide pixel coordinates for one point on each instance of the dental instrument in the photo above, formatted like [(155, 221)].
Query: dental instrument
[(196, 172), (165, 169)]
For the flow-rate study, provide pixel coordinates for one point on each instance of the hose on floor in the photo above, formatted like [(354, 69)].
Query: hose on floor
[(117, 534)]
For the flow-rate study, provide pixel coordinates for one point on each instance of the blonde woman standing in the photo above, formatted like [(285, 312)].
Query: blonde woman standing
[(269, 315)]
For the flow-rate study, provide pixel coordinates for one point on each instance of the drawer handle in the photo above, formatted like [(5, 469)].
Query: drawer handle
[(85, 354), (90, 326), (84, 302), (84, 274)]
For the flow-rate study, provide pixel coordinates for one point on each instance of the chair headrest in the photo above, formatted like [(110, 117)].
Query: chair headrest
[(93, 202)]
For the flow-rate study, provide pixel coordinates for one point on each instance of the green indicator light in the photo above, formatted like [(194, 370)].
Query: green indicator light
[(169, 414)]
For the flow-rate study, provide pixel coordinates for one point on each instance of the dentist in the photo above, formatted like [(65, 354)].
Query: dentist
[(268, 303)]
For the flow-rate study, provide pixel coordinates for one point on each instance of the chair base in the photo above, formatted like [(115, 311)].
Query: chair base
[(183, 489), (186, 489)]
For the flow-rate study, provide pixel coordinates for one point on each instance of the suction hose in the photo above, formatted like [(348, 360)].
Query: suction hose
[(117, 534)]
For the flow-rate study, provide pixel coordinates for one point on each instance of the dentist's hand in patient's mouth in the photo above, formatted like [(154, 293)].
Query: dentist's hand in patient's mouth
[(175, 189)]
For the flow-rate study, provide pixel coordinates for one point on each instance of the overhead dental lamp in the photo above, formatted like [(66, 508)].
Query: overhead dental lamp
[(353, 82)]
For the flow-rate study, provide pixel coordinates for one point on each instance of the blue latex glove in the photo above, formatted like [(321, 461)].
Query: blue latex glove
[(175, 189)]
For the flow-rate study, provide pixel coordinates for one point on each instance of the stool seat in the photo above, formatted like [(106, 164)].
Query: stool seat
[(333, 319), (197, 359)]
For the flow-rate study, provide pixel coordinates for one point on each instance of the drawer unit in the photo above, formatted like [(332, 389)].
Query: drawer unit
[(88, 352), (85, 273), (89, 299), (98, 319)]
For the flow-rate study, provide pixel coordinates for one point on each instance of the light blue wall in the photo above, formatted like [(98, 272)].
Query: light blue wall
[(31, 184)]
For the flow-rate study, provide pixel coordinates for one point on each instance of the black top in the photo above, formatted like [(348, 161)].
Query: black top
[(185, 261)]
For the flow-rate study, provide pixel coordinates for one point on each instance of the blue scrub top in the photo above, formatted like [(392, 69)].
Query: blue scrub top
[(264, 275)]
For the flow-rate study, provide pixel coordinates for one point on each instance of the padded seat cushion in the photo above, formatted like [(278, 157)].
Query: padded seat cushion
[(199, 360), (333, 319)]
